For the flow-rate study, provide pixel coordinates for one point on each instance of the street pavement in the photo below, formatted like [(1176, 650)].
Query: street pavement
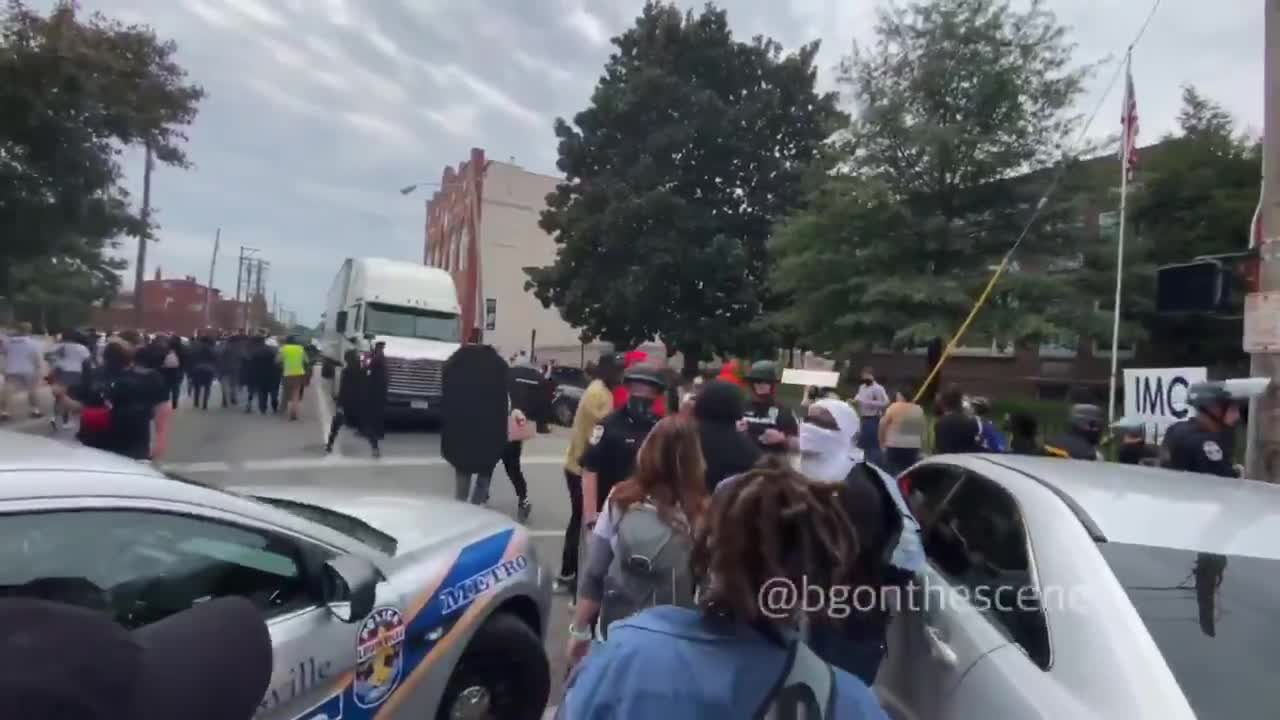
[(229, 447)]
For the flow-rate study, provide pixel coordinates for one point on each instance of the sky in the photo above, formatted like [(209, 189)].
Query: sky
[(319, 111)]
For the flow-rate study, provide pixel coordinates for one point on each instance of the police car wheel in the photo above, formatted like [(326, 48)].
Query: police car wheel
[(502, 675)]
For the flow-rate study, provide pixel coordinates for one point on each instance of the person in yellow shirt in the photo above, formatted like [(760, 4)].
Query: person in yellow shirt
[(293, 362), (595, 404)]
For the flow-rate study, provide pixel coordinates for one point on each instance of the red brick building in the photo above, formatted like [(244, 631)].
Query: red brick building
[(177, 305)]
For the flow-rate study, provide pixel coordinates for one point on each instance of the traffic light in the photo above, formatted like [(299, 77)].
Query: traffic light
[(1195, 287)]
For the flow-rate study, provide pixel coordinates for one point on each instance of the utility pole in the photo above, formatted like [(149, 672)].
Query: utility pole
[(140, 271), (1263, 456), (208, 291)]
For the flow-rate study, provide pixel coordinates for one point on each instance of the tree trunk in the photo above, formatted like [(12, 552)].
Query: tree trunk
[(692, 356)]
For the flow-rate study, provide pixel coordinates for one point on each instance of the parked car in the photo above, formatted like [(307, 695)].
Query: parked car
[(393, 605), (564, 403), (566, 375), (1073, 589)]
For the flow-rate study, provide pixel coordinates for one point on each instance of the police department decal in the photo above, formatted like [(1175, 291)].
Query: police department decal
[(379, 657), (773, 413), (471, 588), (597, 432), (1212, 451)]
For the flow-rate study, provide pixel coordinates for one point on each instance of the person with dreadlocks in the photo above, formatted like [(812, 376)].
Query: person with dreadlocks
[(737, 654)]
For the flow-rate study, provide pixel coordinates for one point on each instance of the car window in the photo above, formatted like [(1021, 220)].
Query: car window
[(975, 537), (145, 566), (927, 487)]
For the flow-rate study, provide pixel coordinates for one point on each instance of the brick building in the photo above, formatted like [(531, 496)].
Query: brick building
[(177, 305), (482, 226)]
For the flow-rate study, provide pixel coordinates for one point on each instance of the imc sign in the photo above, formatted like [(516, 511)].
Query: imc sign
[(1159, 396)]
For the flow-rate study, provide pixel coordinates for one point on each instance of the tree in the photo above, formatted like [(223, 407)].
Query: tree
[(74, 93), (963, 120), (1197, 197), (693, 145)]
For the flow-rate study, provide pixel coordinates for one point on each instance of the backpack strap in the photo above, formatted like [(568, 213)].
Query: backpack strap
[(806, 688)]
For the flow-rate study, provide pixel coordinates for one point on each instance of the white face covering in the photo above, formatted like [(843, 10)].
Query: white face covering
[(825, 455)]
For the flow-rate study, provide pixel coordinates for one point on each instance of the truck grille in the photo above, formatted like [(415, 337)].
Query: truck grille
[(414, 377)]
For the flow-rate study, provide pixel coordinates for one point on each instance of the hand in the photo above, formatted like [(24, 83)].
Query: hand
[(772, 436), (575, 651), (589, 519), (741, 425)]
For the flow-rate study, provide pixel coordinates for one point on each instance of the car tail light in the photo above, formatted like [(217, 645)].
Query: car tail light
[(904, 485)]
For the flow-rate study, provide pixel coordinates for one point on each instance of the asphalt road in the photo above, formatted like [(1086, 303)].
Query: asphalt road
[(229, 447)]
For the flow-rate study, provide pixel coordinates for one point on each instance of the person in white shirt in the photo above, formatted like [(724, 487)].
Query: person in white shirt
[(22, 365), (67, 360), (870, 402)]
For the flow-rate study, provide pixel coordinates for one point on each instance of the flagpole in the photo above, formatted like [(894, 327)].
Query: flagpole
[(1115, 313)]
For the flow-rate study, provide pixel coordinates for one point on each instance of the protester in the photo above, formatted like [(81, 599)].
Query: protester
[(956, 431), (992, 439), (595, 404), (726, 450), (675, 662), (519, 429), (902, 431), (264, 376), (67, 363), (293, 367), (119, 400), (22, 364), (870, 401), (351, 397), (172, 366), (203, 363), (827, 448), (60, 661), (230, 360), (373, 411), (650, 515)]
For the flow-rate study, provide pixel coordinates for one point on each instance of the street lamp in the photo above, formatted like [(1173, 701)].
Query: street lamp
[(410, 188)]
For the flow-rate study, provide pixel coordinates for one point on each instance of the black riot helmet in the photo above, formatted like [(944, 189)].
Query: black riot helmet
[(763, 371), (1212, 399), (1086, 417), (647, 375)]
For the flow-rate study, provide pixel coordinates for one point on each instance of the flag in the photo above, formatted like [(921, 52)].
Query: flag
[(1129, 126)]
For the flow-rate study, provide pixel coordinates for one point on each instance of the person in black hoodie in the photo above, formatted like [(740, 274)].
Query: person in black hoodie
[(351, 399), (119, 399), (373, 411), (263, 376), (727, 449), (203, 364)]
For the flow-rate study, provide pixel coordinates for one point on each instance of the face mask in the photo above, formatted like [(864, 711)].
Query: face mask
[(866, 381), (1093, 436), (640, 408), (824, 454)]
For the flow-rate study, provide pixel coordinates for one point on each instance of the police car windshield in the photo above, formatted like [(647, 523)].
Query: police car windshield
[(411, 322), (1214, 618)]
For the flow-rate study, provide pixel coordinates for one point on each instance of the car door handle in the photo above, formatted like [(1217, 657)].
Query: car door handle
[(938, 648)]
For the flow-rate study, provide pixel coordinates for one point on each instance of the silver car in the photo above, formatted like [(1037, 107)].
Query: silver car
[(378, 606), (1075, 589)]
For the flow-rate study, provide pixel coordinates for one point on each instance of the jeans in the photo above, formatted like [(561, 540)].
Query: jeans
[(897, 459), (511, 464), (869, 438), (465, 492), (569, 558)]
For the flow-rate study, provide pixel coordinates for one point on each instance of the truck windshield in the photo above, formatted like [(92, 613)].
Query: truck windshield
[(400, 321)]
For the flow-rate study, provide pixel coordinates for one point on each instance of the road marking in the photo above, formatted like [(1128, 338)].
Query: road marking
[(332, 461)]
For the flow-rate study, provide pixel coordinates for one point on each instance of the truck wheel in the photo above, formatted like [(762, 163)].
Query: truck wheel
[(503, 674)]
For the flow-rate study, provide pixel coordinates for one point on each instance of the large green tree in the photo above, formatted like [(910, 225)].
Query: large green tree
[(1197, 197), (693, 145), (963, 116), (75, 92)]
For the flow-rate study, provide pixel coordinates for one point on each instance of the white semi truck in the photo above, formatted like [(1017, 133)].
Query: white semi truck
[(412, 308)]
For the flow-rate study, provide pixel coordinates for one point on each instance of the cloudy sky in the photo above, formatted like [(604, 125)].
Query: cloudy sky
[(318, 111)]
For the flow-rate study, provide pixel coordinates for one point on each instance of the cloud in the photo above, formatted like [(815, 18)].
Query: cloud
[(320, 110)]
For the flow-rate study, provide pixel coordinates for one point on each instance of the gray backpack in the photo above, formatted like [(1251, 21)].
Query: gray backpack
[(806, 691), (650, 566)]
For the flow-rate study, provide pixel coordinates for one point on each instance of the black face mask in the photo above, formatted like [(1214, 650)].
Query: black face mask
[(1093, 436), (640, 408), (866, 381)]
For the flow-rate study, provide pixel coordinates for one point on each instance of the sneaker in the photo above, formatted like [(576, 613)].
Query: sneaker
[(377, 453), (523, 508), (53, 425), (565, 584), (67, 425), (328, 448)]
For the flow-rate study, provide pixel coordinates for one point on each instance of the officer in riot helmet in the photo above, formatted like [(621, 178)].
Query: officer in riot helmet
[(1204, 443), (1082, 438), (772, 426), (611, 450), (1130, 437)]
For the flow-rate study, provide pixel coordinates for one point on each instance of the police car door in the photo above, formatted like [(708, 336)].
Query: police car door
[(327, 669)]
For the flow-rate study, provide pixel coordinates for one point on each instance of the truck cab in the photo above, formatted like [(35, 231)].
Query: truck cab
[(410, 307)]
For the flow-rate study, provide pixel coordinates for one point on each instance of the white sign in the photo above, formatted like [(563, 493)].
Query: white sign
[(1159, 396), (1262, 322), (810, 378)]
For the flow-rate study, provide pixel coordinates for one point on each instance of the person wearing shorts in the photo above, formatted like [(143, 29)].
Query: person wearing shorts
[(21, 369), (67, 360)]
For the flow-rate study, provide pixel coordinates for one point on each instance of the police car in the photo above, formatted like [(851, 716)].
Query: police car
[(378, 606), (1077, 589)]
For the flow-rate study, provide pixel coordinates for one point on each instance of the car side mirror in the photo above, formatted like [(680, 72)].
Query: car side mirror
[(350, 587)]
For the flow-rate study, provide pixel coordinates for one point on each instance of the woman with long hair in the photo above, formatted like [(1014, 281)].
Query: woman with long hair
[(659, 505), (739, 652)]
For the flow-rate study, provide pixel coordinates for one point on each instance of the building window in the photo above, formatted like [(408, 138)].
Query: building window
[(1109, 226), (1059, 347), (978, 344)]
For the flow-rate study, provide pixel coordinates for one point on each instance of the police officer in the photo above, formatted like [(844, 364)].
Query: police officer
[(611, 451), (1081, 440), (1204, 443), (1130, 436), (772, 426)]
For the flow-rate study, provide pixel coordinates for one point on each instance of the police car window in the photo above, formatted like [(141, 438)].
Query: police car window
[(977, 539), (145, 566)]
